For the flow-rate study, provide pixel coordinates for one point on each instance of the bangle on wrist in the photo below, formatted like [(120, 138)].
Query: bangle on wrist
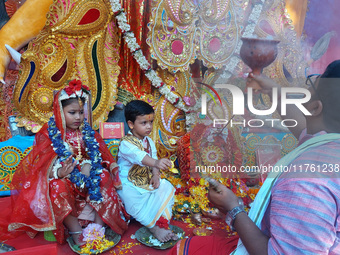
[(55, 169), (55, 173), (231, 215)]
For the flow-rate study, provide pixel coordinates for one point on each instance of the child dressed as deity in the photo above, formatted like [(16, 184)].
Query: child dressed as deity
[(146, 197), (69, 175)]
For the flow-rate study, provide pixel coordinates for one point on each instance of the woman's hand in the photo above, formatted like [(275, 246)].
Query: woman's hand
[(67, 167), (223, 198), (266, 84)]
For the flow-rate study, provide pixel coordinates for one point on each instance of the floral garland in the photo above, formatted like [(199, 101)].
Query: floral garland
[(92, 182), (156, 81), (96, 242)]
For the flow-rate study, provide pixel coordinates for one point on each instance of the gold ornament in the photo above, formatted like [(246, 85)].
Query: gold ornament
[(79, 41), (79, 155), (182, 31)]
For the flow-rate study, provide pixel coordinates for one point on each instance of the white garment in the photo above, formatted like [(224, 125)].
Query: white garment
[(144, 205)]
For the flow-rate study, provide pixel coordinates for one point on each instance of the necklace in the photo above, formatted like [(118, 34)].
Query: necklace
[(91, 182), (79, 156)]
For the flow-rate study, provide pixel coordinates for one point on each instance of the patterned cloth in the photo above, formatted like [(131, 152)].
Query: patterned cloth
[(12, 152), (298, 206), (130, 155), (304, 211), (146, 205)]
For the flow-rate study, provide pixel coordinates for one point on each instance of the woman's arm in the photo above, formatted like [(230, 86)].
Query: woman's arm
[(252, 237)]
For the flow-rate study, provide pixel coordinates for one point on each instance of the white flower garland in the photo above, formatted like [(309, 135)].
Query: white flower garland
[(156, 81), (131, 41), (137, 53), (141, 60)]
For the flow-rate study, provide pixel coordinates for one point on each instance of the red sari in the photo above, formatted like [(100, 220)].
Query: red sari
[(41, 204)]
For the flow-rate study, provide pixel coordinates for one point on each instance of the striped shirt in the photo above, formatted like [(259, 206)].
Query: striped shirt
[(303, 216)]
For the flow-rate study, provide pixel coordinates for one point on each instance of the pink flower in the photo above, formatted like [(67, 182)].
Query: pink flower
[(93, 231)]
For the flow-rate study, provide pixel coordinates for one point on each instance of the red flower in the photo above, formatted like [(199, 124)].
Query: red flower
[(162, 223), (74, 86), (85, 87)]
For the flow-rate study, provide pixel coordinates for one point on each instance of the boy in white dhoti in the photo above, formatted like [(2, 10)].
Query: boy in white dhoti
[(147, 197)]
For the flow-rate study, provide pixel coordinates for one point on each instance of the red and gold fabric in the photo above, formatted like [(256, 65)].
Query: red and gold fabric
[(132, 78), (39, 204), (79, 40)]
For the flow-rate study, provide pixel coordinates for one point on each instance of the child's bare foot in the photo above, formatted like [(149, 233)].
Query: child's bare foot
[(162, 234), (77, 238), (173, 236)]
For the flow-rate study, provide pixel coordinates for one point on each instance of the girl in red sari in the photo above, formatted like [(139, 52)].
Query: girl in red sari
[(68, 169)]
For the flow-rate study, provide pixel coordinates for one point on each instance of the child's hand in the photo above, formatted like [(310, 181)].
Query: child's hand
[(67, 168), (163, 163), (85, 169), (155, 180)]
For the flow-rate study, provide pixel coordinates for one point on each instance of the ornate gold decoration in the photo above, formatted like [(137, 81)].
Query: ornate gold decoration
[(212, 155), (79, 41), (124, 96), (288, 143), (169, 122), (289, 67), (41, 100), (224, 111), (183, 30)]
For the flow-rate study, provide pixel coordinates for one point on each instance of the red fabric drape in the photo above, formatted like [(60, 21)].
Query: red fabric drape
[(131, 76), (39, 204)]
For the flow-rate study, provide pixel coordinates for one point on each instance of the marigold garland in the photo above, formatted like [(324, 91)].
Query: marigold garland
[(97, 246)]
